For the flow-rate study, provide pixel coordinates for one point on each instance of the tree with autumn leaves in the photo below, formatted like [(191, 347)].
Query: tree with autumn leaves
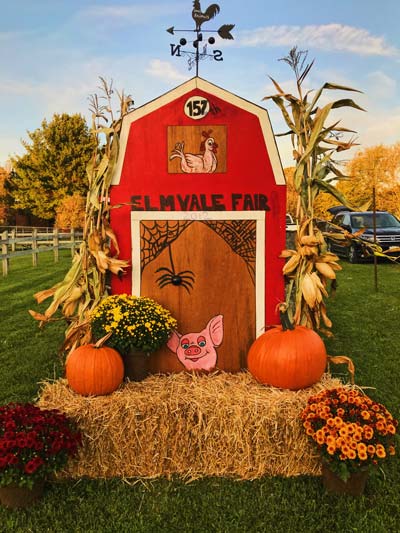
[(53, 165), (379, 166)]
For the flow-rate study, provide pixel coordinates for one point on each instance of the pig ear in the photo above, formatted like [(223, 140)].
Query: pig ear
[(216, 329), (173, 341)]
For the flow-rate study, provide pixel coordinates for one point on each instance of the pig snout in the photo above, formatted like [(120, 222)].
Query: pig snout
[(192, 350)]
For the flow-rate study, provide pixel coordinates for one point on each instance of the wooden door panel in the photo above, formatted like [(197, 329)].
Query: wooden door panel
[(222, 284)]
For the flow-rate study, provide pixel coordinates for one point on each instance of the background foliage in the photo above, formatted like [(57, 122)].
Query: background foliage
[(53, 166), (70, 212)]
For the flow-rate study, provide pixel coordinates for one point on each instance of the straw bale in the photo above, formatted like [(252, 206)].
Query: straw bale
[(190, 425)]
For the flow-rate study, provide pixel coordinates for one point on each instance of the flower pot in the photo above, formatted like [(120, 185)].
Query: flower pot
[(354, 486), (13, 496), (135, 365)]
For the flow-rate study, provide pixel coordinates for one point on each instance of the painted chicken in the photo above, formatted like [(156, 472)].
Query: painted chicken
[(199, 17), (205, 162)]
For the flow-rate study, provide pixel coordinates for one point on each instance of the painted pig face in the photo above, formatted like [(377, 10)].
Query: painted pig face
[(196, 351)]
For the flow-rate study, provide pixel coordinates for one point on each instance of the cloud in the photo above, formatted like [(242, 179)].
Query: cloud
[(130, 14), (329, 37), (165, 71), (381, 86)]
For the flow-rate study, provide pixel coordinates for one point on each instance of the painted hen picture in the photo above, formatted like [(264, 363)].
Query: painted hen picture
[(204, 162)]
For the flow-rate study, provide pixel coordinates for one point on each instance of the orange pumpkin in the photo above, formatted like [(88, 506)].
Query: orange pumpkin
[(287, 356), (94, 370)]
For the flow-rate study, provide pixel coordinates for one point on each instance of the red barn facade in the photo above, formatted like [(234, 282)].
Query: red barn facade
[(202, 201)]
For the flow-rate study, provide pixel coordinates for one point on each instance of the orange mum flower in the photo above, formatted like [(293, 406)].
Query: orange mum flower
[(368, 432), (338, 422), (351, 454), (380, 425), (339, 442), (330, 440), (362, 455), (371, 449), (345, 449), (319, 437), (380, 451)]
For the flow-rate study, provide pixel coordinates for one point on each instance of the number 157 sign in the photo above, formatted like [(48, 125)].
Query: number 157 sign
[(197, 107)]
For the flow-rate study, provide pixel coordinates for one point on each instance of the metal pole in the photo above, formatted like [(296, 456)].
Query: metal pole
[(374, 226), (197, 53)]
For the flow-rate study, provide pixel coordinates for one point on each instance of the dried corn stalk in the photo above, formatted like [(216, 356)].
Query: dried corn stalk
[(310, 267), (84, 285)]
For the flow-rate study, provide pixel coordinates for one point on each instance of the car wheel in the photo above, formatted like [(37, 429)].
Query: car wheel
[(353, 256)]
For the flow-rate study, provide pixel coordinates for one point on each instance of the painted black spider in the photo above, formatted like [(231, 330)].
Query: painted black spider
[(185, 278)]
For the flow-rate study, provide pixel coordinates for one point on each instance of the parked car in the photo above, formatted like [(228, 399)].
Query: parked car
[(387, 233)]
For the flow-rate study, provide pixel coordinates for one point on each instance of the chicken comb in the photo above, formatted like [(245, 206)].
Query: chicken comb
[(206, 134)]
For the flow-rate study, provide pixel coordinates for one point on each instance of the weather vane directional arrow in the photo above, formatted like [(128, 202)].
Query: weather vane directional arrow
[(200, 18)]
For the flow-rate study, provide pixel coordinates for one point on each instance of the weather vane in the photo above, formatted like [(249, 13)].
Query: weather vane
[(200, 18)]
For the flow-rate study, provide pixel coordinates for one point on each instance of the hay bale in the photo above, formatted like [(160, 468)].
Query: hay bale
[(191, 425)]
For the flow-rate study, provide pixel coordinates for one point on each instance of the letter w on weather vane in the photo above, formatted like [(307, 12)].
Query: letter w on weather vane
[(200, 17)]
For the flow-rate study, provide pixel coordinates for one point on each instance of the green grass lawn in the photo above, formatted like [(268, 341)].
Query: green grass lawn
[(366, 328)]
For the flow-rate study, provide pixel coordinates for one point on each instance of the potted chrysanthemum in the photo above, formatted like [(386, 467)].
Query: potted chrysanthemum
[(352, 433), (34, 444), (138, 326)]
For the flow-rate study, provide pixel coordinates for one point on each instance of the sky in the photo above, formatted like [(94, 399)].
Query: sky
[(52, 53)]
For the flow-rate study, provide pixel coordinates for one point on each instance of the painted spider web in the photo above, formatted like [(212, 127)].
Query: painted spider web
[(240, 235), (156, 235)]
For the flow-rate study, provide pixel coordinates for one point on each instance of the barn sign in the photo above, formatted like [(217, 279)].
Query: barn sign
[(201, 218)]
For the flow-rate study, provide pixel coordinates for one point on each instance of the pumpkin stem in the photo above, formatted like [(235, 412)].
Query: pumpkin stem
[(284, 318), (100, 342)]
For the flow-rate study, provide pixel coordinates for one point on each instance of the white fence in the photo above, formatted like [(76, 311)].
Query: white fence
[(20, 241)]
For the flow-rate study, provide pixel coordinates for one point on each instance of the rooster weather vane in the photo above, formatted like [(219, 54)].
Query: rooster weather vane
[(200, 18)]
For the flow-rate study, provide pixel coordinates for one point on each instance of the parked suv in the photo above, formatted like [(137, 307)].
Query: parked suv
[(387, 233)]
